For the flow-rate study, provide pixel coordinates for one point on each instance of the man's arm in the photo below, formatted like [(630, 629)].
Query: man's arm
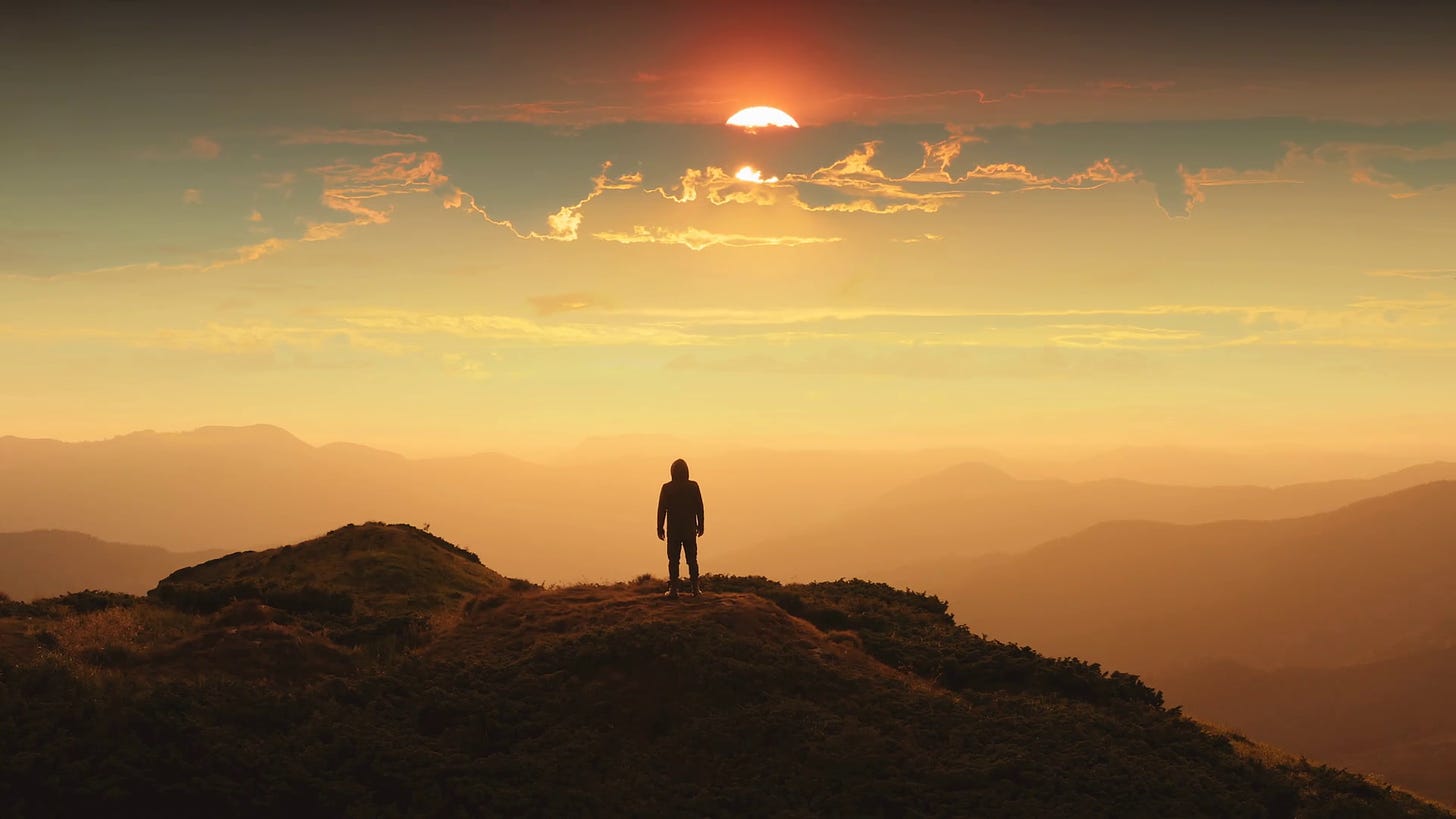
[(698, 496), (661, 512)]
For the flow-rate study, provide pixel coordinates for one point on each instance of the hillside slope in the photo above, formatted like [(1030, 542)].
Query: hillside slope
[(45, 563), (845, 698)]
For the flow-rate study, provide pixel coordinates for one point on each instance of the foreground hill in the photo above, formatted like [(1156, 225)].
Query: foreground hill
[(45, 563), (375, 567), (973, 509), (846, 698)]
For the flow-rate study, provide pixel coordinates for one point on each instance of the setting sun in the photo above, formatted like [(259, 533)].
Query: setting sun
[(748, 173), (760, 116)]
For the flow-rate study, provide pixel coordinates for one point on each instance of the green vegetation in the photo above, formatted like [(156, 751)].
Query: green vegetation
[(846, 698)]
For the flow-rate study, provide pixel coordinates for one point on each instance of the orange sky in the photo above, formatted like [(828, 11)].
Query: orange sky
[(1003, 224)]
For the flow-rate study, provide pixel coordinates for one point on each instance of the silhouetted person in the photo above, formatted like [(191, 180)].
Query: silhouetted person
[(681, 506)]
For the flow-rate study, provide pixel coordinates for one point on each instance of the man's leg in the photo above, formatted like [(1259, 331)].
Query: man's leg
[(674, 552), (690, 545)]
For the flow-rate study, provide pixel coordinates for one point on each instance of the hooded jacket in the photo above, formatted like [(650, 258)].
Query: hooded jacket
[(680, 503)]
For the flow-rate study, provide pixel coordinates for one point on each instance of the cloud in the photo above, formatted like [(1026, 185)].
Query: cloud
[(513, 329), (563, 302), (699, 239), (348, 136), (563, 224), (202, 147), (1401, 170), (855, 184), (1194, 183), (354, 189), (282, 180), (255, 216), (567, 113), (192, 196), (1424, 273), (465, 367)]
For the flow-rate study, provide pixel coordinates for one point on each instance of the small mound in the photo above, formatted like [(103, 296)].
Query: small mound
[(373, 568)]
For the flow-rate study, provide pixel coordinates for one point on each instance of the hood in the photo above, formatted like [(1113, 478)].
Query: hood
[(679, 470)]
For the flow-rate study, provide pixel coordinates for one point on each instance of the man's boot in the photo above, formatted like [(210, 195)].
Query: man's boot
[(671, 588), (697, 592)]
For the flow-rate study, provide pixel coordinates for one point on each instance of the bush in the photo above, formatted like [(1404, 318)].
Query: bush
[(202, 598), (84, 602)]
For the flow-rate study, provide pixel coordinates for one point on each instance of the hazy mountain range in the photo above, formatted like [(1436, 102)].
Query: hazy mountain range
[(44, 563), (972, 509), (588, 514), (1236, 598), (1367, 581)]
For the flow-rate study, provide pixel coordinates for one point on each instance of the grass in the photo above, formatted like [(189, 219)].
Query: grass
[(845, 698)]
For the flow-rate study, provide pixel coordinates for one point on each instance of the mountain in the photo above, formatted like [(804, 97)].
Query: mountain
[(972, 509), (1392, 716), (1366, 581), (1329, 634), (589, 516), (846, 698), (45, 563), (1206, 466)]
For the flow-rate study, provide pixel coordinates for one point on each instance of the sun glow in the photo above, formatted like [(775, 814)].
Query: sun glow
[(748, 173), (760, 116)]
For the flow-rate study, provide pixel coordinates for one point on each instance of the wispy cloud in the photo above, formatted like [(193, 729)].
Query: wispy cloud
[(354, 189), (700, 239), (554, 303), (561, 226), (465, 366), (1401, 171), (569, 113), (347, 136), (1423, 273), (203, 147), (518, 329), (1194, 183)]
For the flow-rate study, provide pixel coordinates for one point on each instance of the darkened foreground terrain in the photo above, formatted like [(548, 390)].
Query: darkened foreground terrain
[(382, 671)]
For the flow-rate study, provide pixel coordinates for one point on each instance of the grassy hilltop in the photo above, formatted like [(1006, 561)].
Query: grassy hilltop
[(381, 671)]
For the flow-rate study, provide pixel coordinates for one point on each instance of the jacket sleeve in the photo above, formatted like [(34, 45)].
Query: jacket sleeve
[(698, 496), (661, 507)]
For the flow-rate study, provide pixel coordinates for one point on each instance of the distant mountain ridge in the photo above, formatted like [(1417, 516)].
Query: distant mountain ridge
[(1326, 589), (44, 563), (973, 509), (584, 518), (1328, 634), (1391, 716)]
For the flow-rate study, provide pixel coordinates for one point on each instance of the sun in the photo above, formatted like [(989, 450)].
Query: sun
[(748, 173), (760, 116)]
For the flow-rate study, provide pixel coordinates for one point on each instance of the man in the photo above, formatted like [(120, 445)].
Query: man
[(681, 505)]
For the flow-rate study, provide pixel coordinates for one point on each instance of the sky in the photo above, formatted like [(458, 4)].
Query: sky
[(513, 226)]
